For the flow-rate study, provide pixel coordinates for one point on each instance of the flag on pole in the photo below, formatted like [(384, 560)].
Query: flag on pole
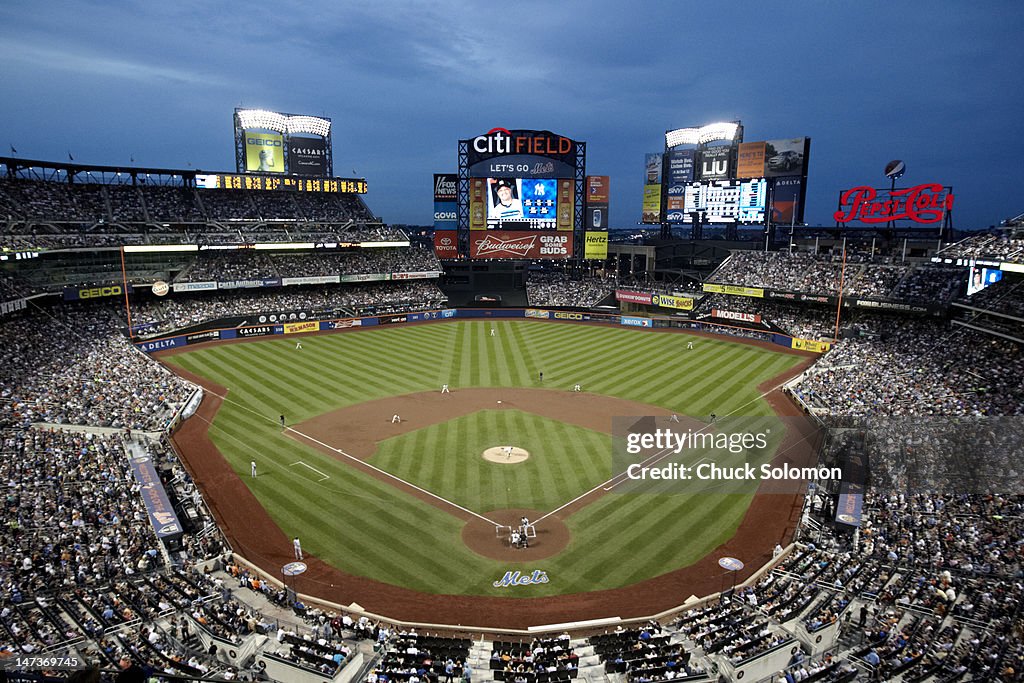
[(13, 151)]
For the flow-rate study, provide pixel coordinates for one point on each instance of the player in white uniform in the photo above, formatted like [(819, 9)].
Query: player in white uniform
[(507, 206)]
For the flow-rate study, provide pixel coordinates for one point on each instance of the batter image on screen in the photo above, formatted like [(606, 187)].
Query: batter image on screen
[(505, 203)]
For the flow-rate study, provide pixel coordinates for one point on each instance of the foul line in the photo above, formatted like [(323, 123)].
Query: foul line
[(363, 463), (322, 475), (650, 460), (390, 476)]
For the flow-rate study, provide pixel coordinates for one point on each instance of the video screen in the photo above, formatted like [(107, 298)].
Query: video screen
[(725, 201), (980, 278), (518, 203)]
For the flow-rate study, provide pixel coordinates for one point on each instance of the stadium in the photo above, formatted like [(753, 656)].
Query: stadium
[(253, 431)]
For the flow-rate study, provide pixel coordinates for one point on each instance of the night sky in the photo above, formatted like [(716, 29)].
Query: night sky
[(936, 84)]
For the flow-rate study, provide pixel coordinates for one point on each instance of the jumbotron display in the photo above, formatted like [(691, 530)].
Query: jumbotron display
[(525, 187), (287, 144)]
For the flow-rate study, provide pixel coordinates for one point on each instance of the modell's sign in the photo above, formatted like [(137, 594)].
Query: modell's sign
[(735, 315), (927, 203), (508, 244)]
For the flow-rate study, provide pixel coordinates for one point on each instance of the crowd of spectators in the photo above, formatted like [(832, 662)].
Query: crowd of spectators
[(561, 289), (344, 300), (58, 214), (76, 367), (1005, 247), (864, 276), (918, 367), (251, 264)]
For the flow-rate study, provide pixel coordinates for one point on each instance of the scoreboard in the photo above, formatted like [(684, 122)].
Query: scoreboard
[(232, 181)]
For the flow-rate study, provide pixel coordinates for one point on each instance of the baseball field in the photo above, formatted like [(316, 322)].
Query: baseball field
[(382, 476)]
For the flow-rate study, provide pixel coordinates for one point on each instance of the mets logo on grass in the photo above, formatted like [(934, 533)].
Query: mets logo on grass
[(519, 579)]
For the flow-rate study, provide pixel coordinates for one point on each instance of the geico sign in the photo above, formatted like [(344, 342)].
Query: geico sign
[(263, 143), (560, 315), (96, 292)]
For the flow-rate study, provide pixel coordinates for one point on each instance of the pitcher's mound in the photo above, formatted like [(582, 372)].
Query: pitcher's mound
[(506, 455)]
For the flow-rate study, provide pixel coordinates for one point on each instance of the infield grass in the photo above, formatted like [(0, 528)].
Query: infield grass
[(364, 526)]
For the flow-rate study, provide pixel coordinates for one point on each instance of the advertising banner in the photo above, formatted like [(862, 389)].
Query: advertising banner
[(596, 209), (193, 286), (446, 244), (392, 319), (652, 169), (569, 315), (750, 160), (677, 302), (680, 166), (310, 280), (297, 328), (810, 345), (926, 203), (199, 337), (535, 313), (161, 514), (307, 156), (635, 322), (786, 157), (343, 324), (598, 187), (161, 344), (787, 206), (446, 216), (509, 244), (478, 192), (595, 245), (676, 201), (264, 152), (446, 187), (734, 290), (416, 275), (566, 203), (257, 331), (733, 315), (250, 284), (633, 297), (714, 163), (365, 277), (13, 305), (652, 204), (86, 293)]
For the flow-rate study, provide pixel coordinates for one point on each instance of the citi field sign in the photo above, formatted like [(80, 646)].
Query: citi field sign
[(522, 153)]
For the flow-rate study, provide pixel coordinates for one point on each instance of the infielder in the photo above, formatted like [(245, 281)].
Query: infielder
[(444, 389), (298, 548)]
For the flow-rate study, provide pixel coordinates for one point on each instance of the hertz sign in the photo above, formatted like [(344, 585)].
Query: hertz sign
[(86, 293)]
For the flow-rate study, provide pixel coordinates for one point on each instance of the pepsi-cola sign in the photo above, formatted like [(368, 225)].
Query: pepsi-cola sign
[(926, 203)]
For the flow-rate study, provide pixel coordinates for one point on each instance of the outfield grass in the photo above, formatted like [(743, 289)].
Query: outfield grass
[(362, 526)]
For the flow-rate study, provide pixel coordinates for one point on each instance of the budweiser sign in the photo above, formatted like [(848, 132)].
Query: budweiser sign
[(926, 203), (522, 245)]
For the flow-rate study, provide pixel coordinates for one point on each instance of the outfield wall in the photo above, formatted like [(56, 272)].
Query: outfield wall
[(246, 331)]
